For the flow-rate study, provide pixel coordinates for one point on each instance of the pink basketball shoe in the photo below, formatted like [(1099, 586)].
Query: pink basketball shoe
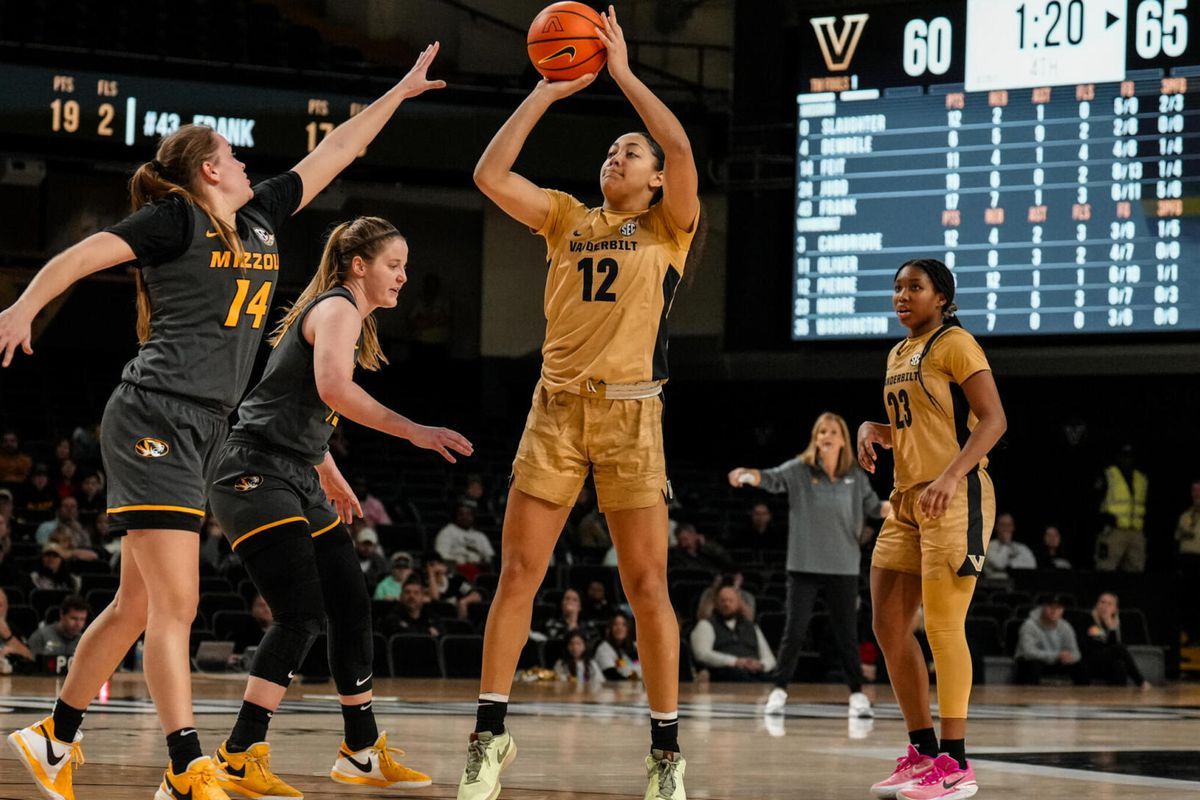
[(944, 781), (909, 769)]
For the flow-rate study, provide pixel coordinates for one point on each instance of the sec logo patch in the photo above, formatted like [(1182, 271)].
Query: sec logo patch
[(148, 447), (247, 483), (629, 228)]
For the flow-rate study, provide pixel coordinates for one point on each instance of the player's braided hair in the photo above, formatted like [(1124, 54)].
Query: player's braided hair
[(943, 282), (363, 237), (173, 171)]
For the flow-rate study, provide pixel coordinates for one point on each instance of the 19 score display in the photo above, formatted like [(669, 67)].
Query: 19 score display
[(1060, 208)]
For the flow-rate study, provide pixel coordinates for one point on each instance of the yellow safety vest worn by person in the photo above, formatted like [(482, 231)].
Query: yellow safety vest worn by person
[(611, 278), (1128, 506)]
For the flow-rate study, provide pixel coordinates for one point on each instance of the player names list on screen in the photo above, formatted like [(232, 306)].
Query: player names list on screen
[(1060, 209)]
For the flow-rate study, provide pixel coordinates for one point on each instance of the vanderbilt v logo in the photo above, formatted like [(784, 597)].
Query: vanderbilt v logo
[(838, 49), (976, 562)]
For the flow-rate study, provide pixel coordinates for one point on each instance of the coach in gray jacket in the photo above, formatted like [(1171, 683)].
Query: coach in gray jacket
[(828, 496)]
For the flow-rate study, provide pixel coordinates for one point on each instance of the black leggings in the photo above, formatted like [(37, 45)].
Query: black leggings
[(308, 582), (841, 597)]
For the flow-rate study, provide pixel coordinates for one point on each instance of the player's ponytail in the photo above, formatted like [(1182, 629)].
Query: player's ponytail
[(173, 171), (363, 237), (696, 250)]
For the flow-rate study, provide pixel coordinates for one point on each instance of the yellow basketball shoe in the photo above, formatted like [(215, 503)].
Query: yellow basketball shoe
[(48, 761), (665, 773), (249, 774), (375, 766), (488, 754), (197, 782)]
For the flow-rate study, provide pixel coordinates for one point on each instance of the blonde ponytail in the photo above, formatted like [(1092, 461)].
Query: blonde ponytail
[(173, 171), (363, 237)]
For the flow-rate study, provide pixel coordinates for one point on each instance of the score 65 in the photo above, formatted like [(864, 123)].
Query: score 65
[(1162, 27), (927, 46)]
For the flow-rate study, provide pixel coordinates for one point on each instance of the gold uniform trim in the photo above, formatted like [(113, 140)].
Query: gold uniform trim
[(181, 509), (327, 528), (268, 526)]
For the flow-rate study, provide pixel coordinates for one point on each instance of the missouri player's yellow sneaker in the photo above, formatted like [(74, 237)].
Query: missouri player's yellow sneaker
[(376, 766), (488, 754), (197, 782), (249, 774), (48, 761)]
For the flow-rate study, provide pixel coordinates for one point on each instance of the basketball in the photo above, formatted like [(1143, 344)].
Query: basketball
[(562, 43)]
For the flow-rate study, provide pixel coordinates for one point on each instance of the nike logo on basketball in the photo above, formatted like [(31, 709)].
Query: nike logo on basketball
[(569, 50), (51, 759), (360, 767), (949, 785), (364, 680)]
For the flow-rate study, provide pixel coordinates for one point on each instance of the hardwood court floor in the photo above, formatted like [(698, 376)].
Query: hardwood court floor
[(1050, 743)]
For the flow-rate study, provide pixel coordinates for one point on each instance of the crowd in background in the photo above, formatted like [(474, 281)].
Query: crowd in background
[(53, 531)]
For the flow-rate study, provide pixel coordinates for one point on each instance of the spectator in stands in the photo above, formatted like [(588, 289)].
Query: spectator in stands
[(411, 614), (214, 547), (1047, 646), (106, 541), (1107, 659), (374, 513), (1052, 554), (445, 586), (1122, 546), (261, 613), (76, 544), (66, 484), (591, 533), (66, 515), (8, 508), (9, 576), (15, 465), (460, 543), (569, 616), (61, 453), (1187, 534), (575, 666), (616, 655), (1003, 553), (476, 491), (91, 499), (694, 551), (37, 497), (11, 644), (761, 532), (729, 646), (370, 558), (391, 587), (62, 637), (595, 605), (53, 572), (708, 598)]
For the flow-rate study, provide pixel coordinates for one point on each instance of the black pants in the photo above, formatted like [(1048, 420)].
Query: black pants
[(1112, 664), (1031, 672), (736, 675), (841, 596)]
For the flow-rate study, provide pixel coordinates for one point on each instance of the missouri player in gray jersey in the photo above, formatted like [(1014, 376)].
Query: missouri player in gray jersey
[(204, 242), (278, 510)]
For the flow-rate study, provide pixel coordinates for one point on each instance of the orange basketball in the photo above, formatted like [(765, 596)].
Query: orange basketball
[(562, 43)]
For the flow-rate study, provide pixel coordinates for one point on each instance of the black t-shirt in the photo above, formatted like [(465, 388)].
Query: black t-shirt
[(162, 231)]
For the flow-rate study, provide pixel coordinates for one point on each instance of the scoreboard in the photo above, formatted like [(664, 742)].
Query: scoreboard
[(1048, 151)]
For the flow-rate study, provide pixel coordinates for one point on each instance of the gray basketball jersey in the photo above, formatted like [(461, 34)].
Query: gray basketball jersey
[(208, 313), (285, 411)]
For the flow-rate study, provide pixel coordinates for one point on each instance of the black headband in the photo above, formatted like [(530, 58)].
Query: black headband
[(343, 252)]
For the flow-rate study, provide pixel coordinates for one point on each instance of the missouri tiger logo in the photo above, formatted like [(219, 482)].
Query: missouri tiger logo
[(147, 447), (267, 237), (247, 483)]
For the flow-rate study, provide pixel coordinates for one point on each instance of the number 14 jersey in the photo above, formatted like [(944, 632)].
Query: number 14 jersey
[(611, 277), (926, 406)]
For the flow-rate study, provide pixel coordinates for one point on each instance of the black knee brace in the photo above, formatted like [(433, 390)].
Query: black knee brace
[(348, 609), (283, 649)]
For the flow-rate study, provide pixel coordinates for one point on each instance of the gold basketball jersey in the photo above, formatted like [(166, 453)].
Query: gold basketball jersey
[(927, 408), (611, 278)]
